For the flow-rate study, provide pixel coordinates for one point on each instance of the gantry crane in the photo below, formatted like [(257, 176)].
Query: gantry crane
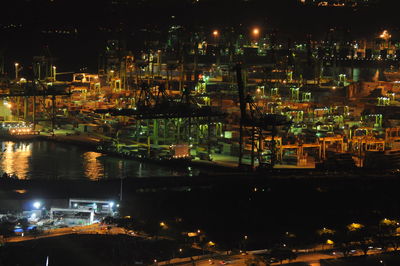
[(256, 125)]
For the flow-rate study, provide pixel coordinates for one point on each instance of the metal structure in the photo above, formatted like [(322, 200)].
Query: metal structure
[(164, 120), (35, 92), (255, 126)]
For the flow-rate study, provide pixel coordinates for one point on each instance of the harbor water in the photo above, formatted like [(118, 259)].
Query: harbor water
[(42, 159)]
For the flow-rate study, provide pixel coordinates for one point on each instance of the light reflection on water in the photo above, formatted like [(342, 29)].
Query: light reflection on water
[(49, 160), (93, 168), (15, 158)]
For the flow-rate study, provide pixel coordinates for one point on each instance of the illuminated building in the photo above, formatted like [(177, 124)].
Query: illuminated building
[(339, 3)]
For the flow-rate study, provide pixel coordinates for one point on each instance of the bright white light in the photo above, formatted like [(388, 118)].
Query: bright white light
[(111, 204), (37, 204)]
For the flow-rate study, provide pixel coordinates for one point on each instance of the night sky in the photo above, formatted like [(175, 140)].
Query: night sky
[(86, 25)]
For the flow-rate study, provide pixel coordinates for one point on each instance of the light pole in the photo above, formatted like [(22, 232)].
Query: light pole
[(121, 189), (16, 71), (255, 32), (215, 35), (245, 244), (54, 72)]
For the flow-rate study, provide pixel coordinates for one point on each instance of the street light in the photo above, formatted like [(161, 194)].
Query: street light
[(16, 71), (215, 33), (256, 32), (54, 72)]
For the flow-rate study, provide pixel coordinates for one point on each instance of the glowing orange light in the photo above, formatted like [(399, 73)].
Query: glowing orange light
[(256, 31), (385, 35)]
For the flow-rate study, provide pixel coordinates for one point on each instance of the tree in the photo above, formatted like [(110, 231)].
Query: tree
[(282, 254), (363, 237), (290, 240), (388, 227), (23, 223), (394, 241), (35, 232), (256, 260), (387, 234), (356, 236), (7, 229), (325, 235), (343, 242)]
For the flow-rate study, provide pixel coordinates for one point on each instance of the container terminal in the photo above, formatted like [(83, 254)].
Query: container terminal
[(247, 106)]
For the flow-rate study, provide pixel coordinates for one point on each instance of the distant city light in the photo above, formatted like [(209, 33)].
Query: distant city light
[(385, 35), (37, 204), (256, 32)]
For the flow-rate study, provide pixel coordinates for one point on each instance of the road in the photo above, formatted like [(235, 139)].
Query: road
[(88, 229), (311, 259)]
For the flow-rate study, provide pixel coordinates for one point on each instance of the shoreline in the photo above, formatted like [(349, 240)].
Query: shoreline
[(54, 188), (91, 143), (208, 168)]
